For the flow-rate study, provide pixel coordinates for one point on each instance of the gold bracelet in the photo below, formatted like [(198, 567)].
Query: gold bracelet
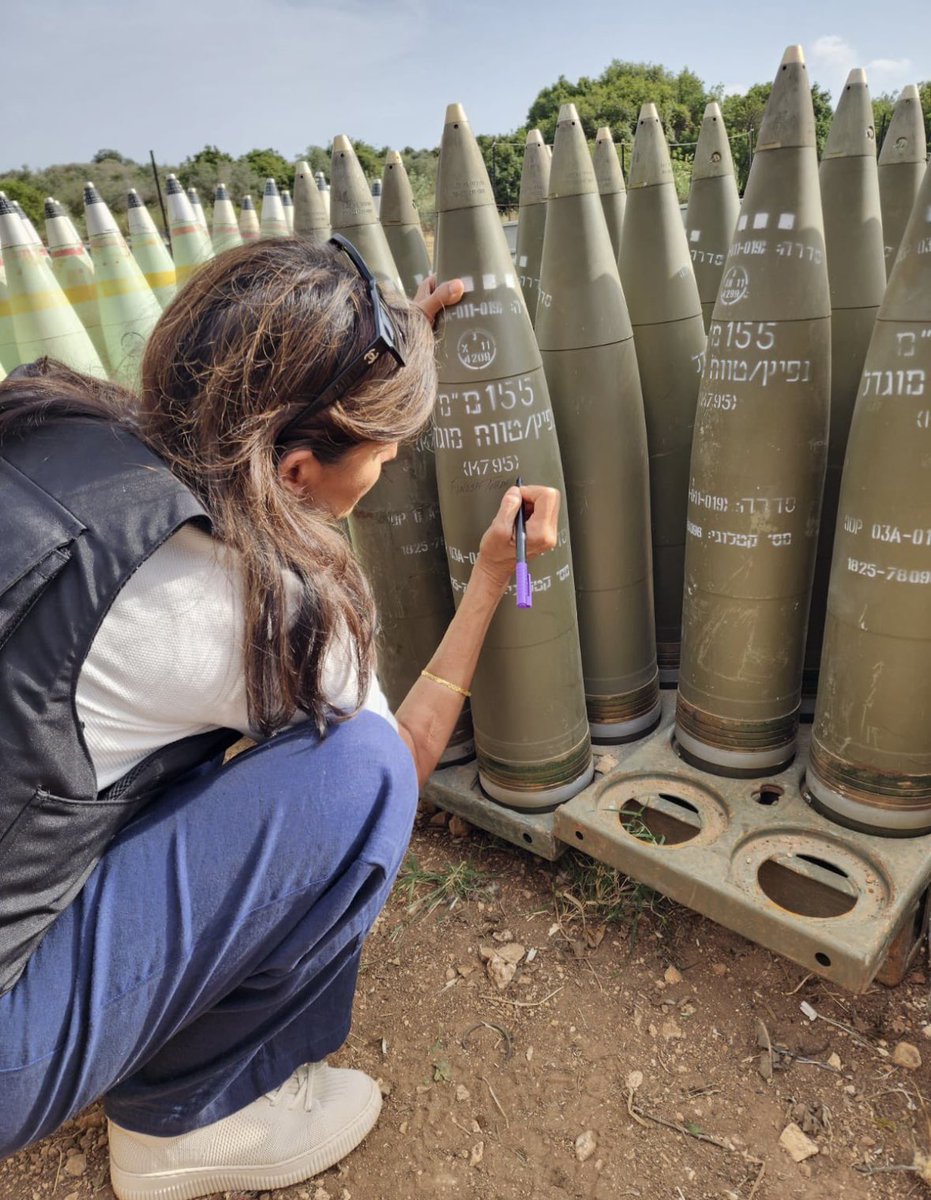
[(453, 687)]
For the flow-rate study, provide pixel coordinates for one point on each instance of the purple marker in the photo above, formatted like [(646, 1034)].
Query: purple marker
[(524, 583)]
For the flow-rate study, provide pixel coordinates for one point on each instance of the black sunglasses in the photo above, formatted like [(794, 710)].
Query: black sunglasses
[(386, 341)]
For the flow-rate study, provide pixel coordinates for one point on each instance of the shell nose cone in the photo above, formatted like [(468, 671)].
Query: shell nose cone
[(271, 188), (793, 54), (455, 114), (857, 75), (173, 186), (342, 144)]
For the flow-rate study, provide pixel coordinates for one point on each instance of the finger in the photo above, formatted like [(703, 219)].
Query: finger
[(425, 289), (508, 509), (442, 296)]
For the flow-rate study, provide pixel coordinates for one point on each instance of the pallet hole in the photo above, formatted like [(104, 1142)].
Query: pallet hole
[(767, 793), (527, 838), (823, 959), (661, 818), (808, 885)]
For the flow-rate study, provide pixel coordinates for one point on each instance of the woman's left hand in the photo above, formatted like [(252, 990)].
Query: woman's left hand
[(432, 297)]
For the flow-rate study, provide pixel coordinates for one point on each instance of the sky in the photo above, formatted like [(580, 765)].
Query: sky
[(176, 75)]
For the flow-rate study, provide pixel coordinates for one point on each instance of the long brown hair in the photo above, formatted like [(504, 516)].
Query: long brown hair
[(253, 337)]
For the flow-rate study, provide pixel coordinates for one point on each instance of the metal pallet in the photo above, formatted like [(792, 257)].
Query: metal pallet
[(749, 854)]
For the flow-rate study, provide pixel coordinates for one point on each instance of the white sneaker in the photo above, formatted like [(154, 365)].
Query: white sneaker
[(312, 1121)]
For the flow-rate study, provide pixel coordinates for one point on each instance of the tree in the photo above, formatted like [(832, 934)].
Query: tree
[(265, 164), (616, 97), (19, 187), (107, 156), (504, 159), (743, 115)]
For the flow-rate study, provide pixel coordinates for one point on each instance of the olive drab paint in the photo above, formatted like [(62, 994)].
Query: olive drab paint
[(587, 346), (669, 334), (401, 223), (311, 218), (150, 251), (352, 213), (611, 186), (853, 239), (73, 268), (494, 421), (43, 320), (870, 761), (758, 458), (225, 235), (902, 161), (713, 207), (128, 309), (531, 218)]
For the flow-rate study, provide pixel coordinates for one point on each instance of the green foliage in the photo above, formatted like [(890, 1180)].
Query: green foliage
[(504, 160), (108, 155), (268, 164), (616, 97), (743, 115), (32, 198)]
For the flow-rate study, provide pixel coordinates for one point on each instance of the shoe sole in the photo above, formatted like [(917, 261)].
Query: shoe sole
[(190, 1182)]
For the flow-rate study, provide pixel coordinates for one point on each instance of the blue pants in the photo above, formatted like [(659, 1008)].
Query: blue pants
[(216, 944)]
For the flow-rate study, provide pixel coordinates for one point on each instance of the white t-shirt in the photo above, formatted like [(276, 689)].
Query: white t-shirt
[(167, 661)]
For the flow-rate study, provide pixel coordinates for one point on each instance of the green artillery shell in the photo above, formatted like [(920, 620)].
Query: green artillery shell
[(128, 309), (43, 320), (611, 186), (226, 233), (9, 351), (352, 213), (397, 535), (714, 206), (759, 457), (198, 208), (901, 168), (531, 218), (273, 223), (870, 761), (248, 220), (190, 243), (853, 239), (311, 219), (587, 346), (150, 251), (73, 268), (401, 223), (324, 189), (493, 422), (288, 205), (665, 309)]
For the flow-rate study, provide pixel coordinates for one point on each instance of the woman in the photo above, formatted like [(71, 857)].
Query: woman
[(180, 936)]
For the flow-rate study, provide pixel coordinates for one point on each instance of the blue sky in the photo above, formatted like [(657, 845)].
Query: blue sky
[(174, 75)]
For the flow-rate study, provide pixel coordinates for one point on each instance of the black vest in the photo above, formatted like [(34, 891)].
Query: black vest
[(82, 505)]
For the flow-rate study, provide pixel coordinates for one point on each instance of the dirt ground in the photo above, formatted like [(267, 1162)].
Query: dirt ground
[(626, 1054)]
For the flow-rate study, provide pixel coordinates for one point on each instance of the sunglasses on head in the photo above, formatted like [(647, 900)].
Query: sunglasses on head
[(386, 341)]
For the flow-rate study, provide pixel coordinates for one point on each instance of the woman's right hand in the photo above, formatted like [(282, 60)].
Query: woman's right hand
[(497, 554)]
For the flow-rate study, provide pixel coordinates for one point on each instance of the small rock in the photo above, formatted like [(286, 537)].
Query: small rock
[(585, 1145), (345, 1194), (477, 1154), (458, 827), (529, 1054), (76, 1165), (321, 1194), (797, 1144), (487, 952), (465, 970), (384, 1086), (906, 1055), (672, 976), (438, 820), (462, 1092), (503, 935), (634, 1080), (513, 952), (72, 1196), (474, 1126), (671, 1030), (835, 1062), (718, 969), (500, 973), (926, 1032), (403, 1127)]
